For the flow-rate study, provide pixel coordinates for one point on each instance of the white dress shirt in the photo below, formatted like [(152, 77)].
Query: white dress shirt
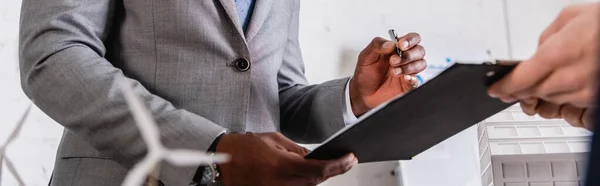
[(349, 117)]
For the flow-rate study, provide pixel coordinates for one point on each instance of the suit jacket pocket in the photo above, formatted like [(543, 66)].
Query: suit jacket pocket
[(72, 146)]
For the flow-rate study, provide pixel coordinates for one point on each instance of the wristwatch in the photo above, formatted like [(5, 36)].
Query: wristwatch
[(211, 173), (206, 175)]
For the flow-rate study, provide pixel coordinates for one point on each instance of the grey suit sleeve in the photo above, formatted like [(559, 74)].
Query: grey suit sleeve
[(309, 113), (64, 72)]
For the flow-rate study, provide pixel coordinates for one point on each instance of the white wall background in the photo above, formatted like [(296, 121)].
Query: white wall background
[(334, 31), (332, 34), (34, 151)]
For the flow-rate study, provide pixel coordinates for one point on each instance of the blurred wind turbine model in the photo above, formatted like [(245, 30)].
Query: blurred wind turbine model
[(11, 138), (156, 151)]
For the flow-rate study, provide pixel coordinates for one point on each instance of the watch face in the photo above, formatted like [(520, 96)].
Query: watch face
[(208, 176)]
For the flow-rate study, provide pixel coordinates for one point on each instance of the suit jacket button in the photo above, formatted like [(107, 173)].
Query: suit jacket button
[(242, 64)]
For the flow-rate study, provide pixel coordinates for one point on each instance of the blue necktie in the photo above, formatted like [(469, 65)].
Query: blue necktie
[(244, 11)]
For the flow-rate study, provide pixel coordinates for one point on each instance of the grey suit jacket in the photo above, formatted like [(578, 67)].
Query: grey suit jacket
[(181, 56)]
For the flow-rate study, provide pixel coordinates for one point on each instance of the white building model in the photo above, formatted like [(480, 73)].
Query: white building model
[(520, 150)]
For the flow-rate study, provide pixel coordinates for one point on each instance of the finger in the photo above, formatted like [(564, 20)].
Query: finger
[(525, 94), (561, 81), (338, 167), (414, 67), (372, 52), (395, 61), (409, 41), (290, 145), (572, 115), (587, 118), (549, 57), (508, 99), (529, 106), (323, 169), (303, 181), (414, 54), (412, 80), (523, 77), (581, 98), (563, 18), (528, 73), (549, 110)]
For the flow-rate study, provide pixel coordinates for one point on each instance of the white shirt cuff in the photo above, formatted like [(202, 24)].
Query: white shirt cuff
[(349, 117)]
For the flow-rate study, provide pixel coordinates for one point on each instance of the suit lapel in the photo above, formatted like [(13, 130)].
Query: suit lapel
[(259, 15), (229, 7)]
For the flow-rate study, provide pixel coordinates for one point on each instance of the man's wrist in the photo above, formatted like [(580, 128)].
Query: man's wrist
[(358, 110), (213, 146), (356, 102), (199, 177)]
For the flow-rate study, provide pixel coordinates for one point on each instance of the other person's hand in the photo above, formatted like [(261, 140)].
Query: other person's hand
[(381, 74), (272, 159), (578, 117), (564, 68)]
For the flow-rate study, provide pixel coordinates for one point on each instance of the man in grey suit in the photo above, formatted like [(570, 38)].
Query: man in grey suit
[(207, 79)]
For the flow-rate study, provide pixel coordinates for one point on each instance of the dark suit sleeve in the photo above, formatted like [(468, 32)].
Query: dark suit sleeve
[(64, 72), (593, 171), (309, 113)]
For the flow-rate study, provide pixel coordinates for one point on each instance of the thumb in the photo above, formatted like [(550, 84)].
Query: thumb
[(374, 50), (530, 72), (322, 169)]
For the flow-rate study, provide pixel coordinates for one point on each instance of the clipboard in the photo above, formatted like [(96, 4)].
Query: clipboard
[(409, 124)]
